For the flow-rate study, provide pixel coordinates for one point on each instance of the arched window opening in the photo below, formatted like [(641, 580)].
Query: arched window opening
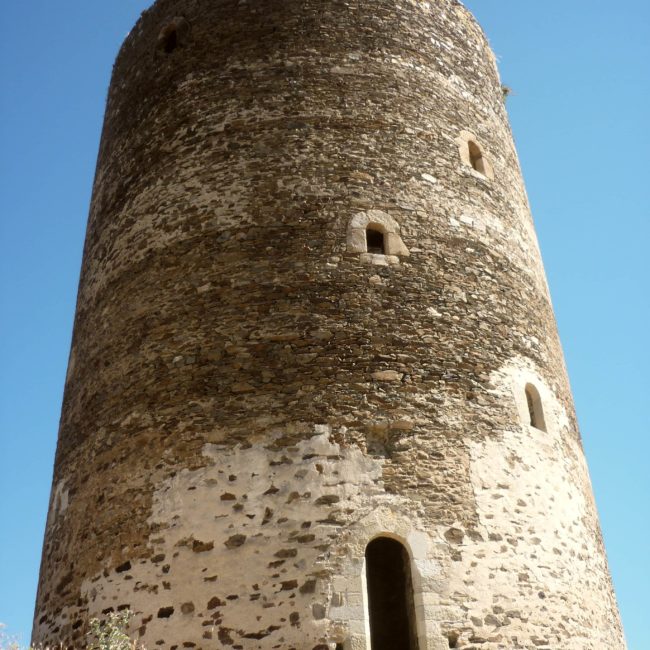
[(390, 596), (168, 40), (535, 410), (375, 241), (476, 157)]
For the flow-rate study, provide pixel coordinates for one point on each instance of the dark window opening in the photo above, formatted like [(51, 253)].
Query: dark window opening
[(339, 646), (169, 39), (535, 410), (390, 596), (375, 241), (453, 639), (476, 157)]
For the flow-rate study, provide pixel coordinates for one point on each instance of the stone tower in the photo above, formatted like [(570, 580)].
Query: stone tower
[(316, 398)]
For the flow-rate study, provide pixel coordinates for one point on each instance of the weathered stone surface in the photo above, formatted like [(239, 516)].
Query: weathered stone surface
[(253, 395), (387, 375)]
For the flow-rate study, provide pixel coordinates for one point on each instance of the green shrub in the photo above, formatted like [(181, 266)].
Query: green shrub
[(111, 634), (107, 634)]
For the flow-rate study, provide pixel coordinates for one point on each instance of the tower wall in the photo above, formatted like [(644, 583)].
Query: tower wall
[(252, 398)]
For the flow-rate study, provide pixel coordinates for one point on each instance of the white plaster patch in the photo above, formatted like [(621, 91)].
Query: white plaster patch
[(269, 511), (536, 565), (264, 535), (516, 376)]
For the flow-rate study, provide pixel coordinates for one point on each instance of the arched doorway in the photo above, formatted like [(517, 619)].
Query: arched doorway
[(390, 596)]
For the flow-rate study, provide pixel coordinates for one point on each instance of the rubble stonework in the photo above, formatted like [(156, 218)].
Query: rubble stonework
[(253, 396)]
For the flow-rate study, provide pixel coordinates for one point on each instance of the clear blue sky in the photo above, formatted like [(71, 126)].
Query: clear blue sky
[(580, 74)]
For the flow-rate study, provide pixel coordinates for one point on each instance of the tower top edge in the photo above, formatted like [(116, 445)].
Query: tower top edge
[(167, 9)]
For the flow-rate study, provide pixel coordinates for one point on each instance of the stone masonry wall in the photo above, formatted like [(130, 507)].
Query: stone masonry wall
[(251, 398)]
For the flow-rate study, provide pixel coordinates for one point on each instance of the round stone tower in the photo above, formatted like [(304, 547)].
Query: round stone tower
[(316, 398)]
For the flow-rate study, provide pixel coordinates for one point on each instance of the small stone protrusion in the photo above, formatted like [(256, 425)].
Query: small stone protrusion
[(455, 536), (215, 602), (268, 515), (327, 499), (235, 541), (387, 375), (123, 567), (202, 547), (165, 612), (308, 587), (187, 608)]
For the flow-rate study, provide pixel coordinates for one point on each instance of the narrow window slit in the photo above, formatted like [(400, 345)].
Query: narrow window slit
[(535, 409), (476, 157), (375, 241), (170, 41), (174, 35)]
